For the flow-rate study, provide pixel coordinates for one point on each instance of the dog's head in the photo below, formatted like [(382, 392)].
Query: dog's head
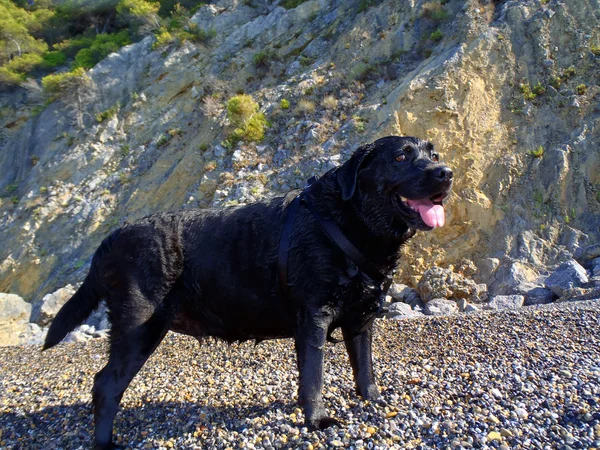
[(397, 181)]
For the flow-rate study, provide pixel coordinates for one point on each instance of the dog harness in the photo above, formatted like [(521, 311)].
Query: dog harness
[(332, 230)]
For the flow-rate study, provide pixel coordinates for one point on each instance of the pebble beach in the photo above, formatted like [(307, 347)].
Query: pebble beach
[(528, 378)]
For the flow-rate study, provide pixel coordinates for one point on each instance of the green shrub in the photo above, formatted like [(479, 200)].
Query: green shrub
[(10, 78), (24, 63), (305, 61), (261, 59), (581, 89), (538, 89), (163, 38), (102, 46), (595, 49), (16, 70), (525, 89), (362, 71), (53, 59), (364, 5), (555, 82), (70, 47), (570, 72), (290, 4), (434, 11), (108, 114), (284, 104), (538, 152), (199, 35), (59, 82), (240, 108), (436, 36), (250, 124)]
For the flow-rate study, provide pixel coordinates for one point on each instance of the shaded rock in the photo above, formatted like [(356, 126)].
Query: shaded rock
[(580, 294), (567, 276), (505, 302), (405, 294), (444, 283), (591, 252), (14, 315), (487, 267), (574, 240), (440, 307), (99, 318), (539, 296), (46, 309), (514, 278)]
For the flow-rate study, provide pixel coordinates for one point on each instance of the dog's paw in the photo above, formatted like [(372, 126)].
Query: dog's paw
[(371, 392), (322, 423)]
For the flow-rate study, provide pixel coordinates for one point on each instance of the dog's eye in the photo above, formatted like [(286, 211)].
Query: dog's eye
[(435, 157), (401, 157)]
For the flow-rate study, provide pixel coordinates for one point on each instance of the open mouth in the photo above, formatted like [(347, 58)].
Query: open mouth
[(431, 209)]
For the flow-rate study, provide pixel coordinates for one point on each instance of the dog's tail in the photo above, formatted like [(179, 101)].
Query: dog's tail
[(73, 313), (84, 301)]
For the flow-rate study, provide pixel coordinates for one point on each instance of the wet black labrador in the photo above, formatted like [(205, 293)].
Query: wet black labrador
[(214, 272)]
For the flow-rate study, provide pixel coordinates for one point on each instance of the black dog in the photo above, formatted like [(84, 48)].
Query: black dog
[(215, 272)]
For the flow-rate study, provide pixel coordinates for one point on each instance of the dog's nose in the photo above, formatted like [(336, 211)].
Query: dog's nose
[(443, 173)]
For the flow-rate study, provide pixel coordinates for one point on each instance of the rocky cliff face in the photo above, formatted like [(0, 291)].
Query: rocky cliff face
[(507, 91)]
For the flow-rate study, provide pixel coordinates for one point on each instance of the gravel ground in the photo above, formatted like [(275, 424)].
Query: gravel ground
[(518, 379)]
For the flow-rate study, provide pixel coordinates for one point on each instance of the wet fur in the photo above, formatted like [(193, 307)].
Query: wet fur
[(213, 272)]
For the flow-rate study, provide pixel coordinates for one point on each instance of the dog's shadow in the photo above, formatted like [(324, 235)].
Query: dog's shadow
[(71, 426)]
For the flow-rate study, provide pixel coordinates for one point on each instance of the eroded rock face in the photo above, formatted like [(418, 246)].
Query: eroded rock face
[(162, 149)]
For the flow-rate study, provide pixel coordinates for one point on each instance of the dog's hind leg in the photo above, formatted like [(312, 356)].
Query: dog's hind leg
[(132, 343), (360, 353)]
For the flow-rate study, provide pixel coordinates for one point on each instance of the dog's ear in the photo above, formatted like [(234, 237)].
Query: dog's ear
[(347, 174)]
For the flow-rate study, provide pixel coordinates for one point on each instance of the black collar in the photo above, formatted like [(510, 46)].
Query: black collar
[(337, 236)]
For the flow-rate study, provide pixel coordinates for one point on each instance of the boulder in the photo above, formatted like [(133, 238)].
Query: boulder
[(464, 306), (514, 278), (444, 283), (440, 307), (405, 294), (399, 310), (505, 302), (580, 294), (14, 315), (33, 335), (539, 296), (99, 318), (567, 276), (470, 308), (46, 309)]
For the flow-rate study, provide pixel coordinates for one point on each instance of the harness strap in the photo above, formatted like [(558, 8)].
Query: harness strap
[(335, 234)]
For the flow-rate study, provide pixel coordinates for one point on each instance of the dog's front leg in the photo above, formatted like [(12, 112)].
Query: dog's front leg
[(361, 360), (310, 340)]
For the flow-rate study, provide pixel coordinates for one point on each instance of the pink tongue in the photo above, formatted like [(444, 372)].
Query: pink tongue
[(432, 215)]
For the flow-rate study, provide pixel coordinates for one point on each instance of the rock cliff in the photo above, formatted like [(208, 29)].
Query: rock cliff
[(506, 90)]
